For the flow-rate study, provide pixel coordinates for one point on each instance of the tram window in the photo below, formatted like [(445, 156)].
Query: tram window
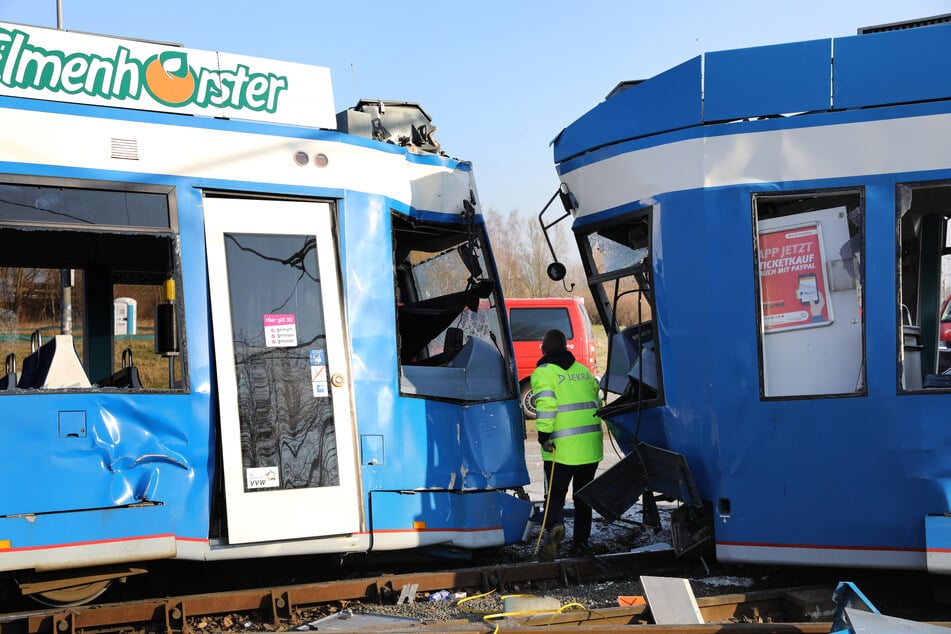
[(86, 291), (811, 273), (618, 262), (924, 240), (47, 204), (449, 317)]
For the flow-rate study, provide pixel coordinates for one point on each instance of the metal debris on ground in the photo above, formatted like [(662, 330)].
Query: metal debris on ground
[(347, 621), (408, 593), (671, 600)]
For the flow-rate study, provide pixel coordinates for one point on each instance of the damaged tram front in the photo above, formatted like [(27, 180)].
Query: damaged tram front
[(237, 326), (767, 235)]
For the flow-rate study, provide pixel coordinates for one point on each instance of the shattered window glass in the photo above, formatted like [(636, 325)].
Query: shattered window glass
[(618, 260), (449, 316)]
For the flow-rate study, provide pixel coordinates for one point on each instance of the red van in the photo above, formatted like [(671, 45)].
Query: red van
[(531, 318)]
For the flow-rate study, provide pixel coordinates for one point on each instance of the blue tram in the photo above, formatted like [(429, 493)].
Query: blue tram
[(766, 234), (234, 323)]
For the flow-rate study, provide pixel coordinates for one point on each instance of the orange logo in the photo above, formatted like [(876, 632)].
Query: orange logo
[(169, 79)]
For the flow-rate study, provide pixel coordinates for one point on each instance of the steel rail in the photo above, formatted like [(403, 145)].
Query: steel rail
[(279, 603)]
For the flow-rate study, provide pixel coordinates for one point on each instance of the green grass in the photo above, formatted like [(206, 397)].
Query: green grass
[(153, 369)]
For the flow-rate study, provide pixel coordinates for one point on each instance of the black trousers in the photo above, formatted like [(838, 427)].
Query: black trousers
[(577, 475)]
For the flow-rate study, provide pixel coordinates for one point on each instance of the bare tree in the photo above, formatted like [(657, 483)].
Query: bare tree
[(522, 257), (17, 287)]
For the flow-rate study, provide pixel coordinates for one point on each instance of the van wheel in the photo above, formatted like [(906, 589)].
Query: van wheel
[(528, 407)]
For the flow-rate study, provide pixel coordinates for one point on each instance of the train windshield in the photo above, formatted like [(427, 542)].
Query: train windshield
[(450, 319), (617, 259)]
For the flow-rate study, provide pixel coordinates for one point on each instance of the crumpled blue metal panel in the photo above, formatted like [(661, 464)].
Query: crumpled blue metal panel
[(426, 444), (767, 80), (665, 102), (444, 511), (433, 445), (135, 449), (892, 67), (129, 442)]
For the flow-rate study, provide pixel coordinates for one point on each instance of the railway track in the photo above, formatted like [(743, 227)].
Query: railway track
[(282, 606), (290, 607)]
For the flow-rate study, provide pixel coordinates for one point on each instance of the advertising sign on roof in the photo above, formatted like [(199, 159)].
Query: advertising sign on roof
[(53, 65)]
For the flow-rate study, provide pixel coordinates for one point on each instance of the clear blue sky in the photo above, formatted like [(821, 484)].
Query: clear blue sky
[(500, 78)]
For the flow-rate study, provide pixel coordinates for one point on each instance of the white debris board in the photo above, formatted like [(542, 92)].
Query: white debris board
[(671, 601)]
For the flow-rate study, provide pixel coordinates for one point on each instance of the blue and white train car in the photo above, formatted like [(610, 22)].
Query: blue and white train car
[(768, 232), (235, 324)]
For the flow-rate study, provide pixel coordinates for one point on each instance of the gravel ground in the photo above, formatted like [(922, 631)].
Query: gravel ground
[(623, 536)]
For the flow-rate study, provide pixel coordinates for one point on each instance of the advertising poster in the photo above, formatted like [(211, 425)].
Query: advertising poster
[(793, 285)]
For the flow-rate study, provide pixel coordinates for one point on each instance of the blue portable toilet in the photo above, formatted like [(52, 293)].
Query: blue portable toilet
[(126, 315)]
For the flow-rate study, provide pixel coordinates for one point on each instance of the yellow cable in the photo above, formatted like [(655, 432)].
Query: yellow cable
[(501, 615), (491, 616), (566, 607), (467, 599), (551, 477)]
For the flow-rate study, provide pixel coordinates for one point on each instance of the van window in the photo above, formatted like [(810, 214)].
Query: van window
[(531, 324)]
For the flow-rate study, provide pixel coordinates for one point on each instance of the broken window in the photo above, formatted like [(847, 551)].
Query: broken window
[(86, 287), (449, 317), (617, 260), (924, 284), (811, 272)]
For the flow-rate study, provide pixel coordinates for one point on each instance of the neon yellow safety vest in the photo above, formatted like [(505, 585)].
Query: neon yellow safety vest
[(566, 402)]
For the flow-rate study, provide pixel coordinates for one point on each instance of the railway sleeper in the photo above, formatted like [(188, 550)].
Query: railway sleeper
[(175, 617), (281, 606)]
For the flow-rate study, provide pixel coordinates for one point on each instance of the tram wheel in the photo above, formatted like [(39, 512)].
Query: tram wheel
[(73, 595)]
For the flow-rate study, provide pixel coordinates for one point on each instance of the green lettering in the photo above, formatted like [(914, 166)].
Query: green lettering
[(74, 70), (127, 80), (275, 86), (256, 92), (121, 77), (11, 56), (239, 79), (39, 69), (99, 77), (208, 87)]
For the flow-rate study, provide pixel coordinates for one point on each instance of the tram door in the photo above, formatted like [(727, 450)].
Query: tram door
[(283, 388)]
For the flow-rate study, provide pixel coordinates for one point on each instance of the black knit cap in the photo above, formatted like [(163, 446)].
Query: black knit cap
[(554, 341)]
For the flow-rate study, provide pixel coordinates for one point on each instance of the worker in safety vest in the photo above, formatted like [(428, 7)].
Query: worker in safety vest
[(566, 405)]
